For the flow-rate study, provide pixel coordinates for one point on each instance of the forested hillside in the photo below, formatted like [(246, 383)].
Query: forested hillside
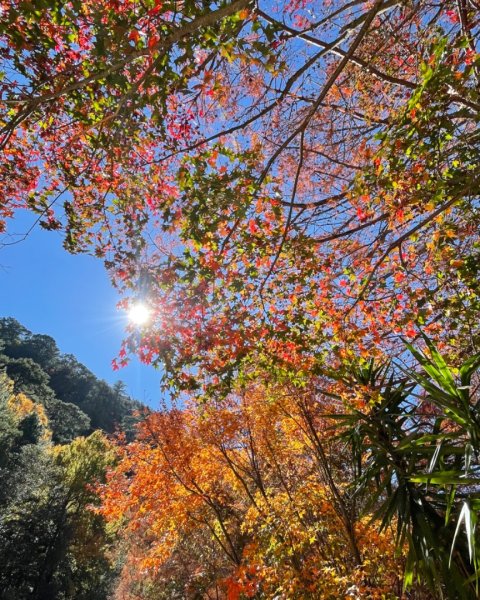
[(54, 417), (75, 401)]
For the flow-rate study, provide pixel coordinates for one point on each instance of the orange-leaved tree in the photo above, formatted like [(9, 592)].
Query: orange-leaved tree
[(247, 499)]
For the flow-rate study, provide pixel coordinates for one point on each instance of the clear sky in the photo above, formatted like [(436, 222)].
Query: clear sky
[(70, 298)]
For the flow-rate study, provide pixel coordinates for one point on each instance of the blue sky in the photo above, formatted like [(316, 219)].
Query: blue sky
[(70, 298)]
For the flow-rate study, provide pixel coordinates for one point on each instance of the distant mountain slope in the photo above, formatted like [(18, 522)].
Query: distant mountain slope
[(75, 400)]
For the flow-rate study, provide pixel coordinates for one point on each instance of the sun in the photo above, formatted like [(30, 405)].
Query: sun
[(139, 313)]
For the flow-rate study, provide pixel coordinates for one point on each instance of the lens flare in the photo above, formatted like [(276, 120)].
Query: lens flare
[(139, 314)]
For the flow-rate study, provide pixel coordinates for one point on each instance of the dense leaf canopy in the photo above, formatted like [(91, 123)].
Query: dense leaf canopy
[(285, 179), (292, 189)]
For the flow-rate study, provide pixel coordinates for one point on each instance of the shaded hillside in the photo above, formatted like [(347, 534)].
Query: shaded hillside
[(53, 546), (75, 400)]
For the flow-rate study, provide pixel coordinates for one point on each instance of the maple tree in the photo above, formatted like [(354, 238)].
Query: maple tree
[(292, 189), (256, 173), (277, 490), (242, 500)]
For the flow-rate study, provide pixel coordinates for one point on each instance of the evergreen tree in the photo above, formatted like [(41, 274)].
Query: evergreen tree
[(52, 545), (76, 401)]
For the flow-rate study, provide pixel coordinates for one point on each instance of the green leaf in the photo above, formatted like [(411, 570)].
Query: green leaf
[(465, 515), (445, 478), (468, 368)]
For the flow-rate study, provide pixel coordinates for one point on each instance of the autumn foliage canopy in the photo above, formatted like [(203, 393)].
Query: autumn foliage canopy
[(292, 188)]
